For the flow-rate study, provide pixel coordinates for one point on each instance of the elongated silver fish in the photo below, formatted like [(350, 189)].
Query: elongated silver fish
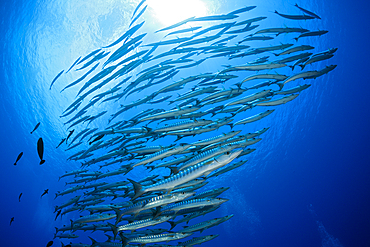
[(202, 169)]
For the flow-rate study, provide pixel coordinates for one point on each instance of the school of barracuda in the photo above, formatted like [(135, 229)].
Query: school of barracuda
[(106, 198)]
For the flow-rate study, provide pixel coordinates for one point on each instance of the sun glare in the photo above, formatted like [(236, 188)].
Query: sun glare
[(172, 11)]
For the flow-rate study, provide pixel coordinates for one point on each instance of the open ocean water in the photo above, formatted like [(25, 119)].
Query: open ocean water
[(307, 183)]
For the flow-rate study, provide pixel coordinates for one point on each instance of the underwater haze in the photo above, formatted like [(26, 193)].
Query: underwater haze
[(307, 182)]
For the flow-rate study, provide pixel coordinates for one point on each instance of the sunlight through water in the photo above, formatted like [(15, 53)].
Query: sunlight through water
[(172, 11)]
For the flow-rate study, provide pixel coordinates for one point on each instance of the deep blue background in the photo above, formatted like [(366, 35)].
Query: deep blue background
[(321, 157)]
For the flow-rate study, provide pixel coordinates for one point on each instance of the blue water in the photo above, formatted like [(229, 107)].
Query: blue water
[(306, 185)]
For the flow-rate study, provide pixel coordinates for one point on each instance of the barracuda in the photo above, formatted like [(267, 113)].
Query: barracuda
[(183, 125), (129, 33), (194, 203), (295, 49), (228, 168), (206, 224), (149, 150), (216, 139), (253, 118), (170, 113), (257, 67), (68, 190), (193, 131), (71, 173), (151, 203), (204, 156), (169, 163), (249, 98), (212, 193), (67, 203), (191, 216), (108, 207), (198, 240), (163, 154), (154, 238), (279, 101), (139, 224), (283, 30), (301, 75), (316, 59), (266, 76), (224, 93), (196, 92), (196, 171)]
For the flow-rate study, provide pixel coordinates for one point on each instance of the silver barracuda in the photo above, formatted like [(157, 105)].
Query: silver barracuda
[(170, 113), (196, 171), (138, 224), (198, 240), (163, 154), (278, 101), (253, 118), (206, 224), (249, 98), (154, 238)]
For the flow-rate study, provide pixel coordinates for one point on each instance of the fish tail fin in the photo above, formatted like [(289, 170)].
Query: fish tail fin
[(123, 239), (174, 169), (172, 223), (296, 39), (292, 67), (56, 230), (281, 85), (55, 235), (230, 124), (179, 137), (109, 237), (157, 212), (239, 84), (138, 188), (114, 229), (93, 241), (302, 66), (42, 162)]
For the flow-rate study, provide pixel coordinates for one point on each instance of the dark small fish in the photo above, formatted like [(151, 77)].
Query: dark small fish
[(61, 142), (18, 158), (40, 150), (60, 73), (19, 198), (58, 213), (11, 220), (69, 135), (37, 125), (45, 192), (49, 244)]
